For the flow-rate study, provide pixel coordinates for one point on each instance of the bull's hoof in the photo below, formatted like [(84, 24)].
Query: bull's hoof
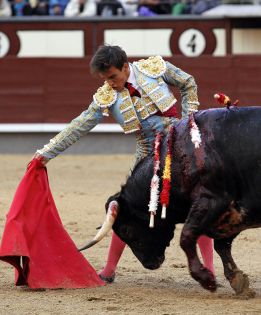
[(206, 279), (240, 283), (247, 294), (209, 284), (109, 279)]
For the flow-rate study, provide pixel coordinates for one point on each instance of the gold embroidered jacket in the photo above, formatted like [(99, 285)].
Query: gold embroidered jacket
[(153, 75)]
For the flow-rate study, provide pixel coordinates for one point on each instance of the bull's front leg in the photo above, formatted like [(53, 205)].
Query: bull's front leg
[(188, 242), (237, 279), (201, 215)]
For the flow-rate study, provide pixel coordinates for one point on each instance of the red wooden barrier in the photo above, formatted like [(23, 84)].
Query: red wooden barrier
[(52, 90)]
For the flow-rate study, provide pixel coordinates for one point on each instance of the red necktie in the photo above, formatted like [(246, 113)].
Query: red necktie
[(132, 90), (172, 112)]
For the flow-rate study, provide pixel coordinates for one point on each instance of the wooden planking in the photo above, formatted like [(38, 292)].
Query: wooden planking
[(237, 76), (55, 90), (247, 73), (66, 89), (21, 90)]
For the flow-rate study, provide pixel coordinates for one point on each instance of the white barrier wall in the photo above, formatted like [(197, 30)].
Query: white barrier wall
[(166, 37)]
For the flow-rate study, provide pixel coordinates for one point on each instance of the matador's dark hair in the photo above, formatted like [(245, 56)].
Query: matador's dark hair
[(107, 56)]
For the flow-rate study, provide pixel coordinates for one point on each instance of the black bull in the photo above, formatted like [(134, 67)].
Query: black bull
[(215, 191)]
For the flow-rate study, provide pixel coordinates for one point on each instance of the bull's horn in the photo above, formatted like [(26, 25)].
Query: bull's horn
[(112, 213)]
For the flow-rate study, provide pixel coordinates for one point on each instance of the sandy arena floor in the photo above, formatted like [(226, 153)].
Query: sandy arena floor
[(81, 185)]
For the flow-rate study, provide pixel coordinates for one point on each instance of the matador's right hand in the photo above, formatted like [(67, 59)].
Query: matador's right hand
[(41, 158)]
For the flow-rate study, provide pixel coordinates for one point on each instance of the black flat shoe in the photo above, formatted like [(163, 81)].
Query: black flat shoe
[(108, 279)]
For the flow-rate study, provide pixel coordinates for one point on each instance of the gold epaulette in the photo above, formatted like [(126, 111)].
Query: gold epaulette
[(105, 96), (153, 67)]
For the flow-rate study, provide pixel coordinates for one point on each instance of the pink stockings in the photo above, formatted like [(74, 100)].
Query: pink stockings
[(117, 246), (206, 248)]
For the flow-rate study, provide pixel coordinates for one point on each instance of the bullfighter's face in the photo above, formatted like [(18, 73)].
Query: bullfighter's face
[(116, 78)]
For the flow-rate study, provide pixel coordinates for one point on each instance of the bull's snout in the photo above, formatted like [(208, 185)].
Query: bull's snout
[(152, 265)]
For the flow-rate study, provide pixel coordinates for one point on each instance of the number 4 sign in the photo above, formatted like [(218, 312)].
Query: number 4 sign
[(192, 42)]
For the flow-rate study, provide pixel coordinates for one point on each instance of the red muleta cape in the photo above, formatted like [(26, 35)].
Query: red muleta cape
[(35, 242)]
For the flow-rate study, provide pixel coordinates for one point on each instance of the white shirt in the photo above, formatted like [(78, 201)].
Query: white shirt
[(132, 79)]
